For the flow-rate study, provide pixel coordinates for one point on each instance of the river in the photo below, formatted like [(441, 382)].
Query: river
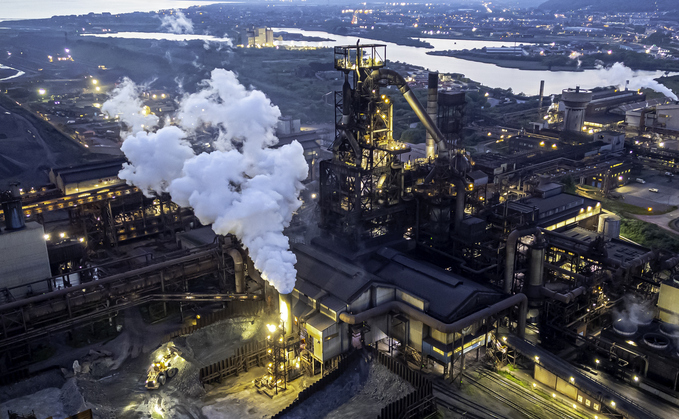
[(526, 81)]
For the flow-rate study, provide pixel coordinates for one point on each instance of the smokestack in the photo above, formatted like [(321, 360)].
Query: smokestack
[(626, 85), (542, 95), (432, 111)]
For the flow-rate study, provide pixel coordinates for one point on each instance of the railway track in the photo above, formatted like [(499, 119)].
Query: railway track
[(447, 398), (510, 388)]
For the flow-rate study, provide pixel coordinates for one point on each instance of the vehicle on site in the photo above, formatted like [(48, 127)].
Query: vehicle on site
[(640, 180), (653, 190), (162, 370)]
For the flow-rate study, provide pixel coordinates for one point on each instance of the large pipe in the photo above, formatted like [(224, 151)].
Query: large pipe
[(396, 79), (238, 268), (436, 324), (111, 280), (511, 254), (670, 263), (542, 95), (432, 111), (564, 298)]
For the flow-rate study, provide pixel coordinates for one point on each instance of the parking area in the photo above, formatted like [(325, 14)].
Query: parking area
[(644, 195)]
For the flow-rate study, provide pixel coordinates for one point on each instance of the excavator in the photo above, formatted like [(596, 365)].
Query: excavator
[(162, 370)]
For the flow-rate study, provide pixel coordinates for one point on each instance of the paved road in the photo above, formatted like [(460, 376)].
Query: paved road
[(640, 195)]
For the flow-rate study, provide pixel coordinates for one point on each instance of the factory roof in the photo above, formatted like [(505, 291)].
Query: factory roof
[(619, 250), (325, 276), (69, 174)]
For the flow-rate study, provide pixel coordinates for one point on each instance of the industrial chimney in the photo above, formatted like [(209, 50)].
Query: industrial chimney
[(12, 208)]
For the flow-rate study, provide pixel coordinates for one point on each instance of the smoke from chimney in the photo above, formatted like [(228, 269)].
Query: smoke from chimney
[(244, 187)]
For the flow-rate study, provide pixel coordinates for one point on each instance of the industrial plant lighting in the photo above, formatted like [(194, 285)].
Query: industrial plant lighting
[(596, 360), (62, 235), (313, 196), (271, 327), (572, 379), (504, 338), (43, 91), (554, 395), (553, 145), (650, 209), (534, 385), (95, 81), (82, 239), (636, 379), (46, 236), (612, 403), (537, 358)]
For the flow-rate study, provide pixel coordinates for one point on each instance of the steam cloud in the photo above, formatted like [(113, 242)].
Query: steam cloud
[(177, 23), (618, 74), (244, 187)]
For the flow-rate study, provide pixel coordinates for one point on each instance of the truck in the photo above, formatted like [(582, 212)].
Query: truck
[(162, 370)]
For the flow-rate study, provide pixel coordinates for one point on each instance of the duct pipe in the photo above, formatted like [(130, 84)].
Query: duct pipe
[(432, 111), (436, 324), (645, 258), (577, 276), (542, 95), (564, 298), (461, 189), (670, 263), (113, 279), (511, 254), (238, 269), (396, 79)]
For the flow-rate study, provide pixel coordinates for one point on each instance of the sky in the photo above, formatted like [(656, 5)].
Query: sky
[(40, 9)]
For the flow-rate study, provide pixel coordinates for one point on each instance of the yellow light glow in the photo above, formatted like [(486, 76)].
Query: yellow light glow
[(271, 327)]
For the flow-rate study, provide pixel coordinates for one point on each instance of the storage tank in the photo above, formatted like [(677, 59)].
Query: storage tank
[(609, 226)]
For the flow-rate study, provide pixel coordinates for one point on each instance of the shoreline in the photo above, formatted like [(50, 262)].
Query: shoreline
[(508, 63)]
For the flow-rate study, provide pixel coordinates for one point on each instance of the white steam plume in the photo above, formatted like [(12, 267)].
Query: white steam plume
[(125, 104), (177, 23), (243, 187), (618, 74)]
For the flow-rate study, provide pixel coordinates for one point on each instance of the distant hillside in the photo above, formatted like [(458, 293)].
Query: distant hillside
[(611, 5)]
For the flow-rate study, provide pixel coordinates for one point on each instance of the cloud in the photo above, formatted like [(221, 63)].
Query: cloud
[(243, 187)]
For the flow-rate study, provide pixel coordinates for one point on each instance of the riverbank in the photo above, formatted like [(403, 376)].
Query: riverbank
[(508, 63)]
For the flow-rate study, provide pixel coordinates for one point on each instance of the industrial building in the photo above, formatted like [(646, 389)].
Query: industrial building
[(423, 258)]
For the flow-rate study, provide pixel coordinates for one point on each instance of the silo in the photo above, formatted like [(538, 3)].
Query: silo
[(609, 226), (575, 102)]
